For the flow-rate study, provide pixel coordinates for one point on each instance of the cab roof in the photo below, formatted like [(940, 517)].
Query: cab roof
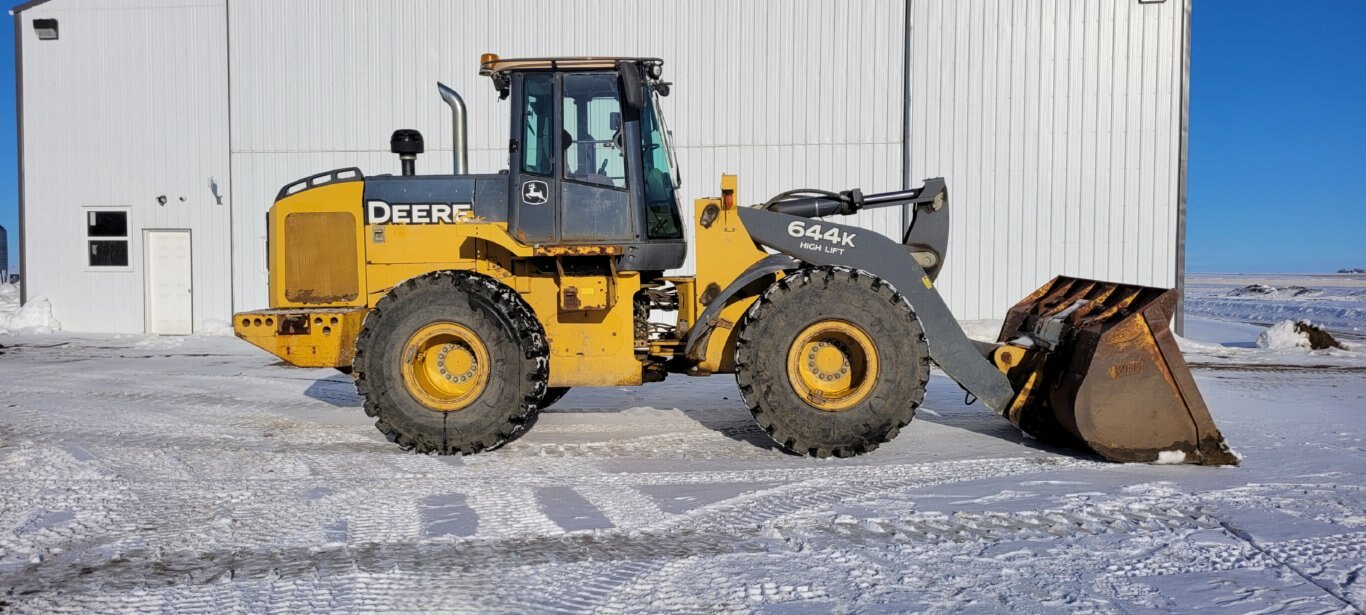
[(491, 65)]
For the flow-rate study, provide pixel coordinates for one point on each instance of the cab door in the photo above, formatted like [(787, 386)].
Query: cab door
[(595, 197), (534, 186)]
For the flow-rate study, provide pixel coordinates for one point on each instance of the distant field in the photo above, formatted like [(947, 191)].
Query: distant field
[(1334, 301)]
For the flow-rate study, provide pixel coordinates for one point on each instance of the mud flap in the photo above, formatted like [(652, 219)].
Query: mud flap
[(1102, 369)]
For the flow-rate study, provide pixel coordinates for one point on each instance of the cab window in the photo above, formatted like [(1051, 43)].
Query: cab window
[(593, 130), (661, 175), (538, 138)]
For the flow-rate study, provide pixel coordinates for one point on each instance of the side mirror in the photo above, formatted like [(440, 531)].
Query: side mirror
[(663, 87), (633, 90), (614, 121)]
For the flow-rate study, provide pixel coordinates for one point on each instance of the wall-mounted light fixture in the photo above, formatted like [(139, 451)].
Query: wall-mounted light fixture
[(46, 29)]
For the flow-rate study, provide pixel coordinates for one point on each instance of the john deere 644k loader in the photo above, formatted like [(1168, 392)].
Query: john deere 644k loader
[(465, 303)]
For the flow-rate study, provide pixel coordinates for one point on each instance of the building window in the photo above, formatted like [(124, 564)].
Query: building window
[(106, 237)]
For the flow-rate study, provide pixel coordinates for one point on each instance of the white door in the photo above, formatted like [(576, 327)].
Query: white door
[(170, 295)]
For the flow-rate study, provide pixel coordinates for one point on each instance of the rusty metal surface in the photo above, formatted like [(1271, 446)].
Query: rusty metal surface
[(570, 298), (1105, 372), (578, 251), (320, 264)]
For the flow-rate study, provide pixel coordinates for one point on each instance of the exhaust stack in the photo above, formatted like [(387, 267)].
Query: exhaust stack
[(459, 142)]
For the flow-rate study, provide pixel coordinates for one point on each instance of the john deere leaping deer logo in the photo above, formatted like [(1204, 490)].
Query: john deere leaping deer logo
[(535, 192)]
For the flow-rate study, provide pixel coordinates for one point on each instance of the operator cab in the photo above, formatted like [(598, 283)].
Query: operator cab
[(590, 161)]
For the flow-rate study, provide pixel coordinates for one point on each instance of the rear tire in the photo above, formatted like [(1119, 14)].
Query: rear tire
[(485, 394), (832, 361)]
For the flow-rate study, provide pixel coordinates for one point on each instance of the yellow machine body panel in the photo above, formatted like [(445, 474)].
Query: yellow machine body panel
[(326, 265), (724, 251), (395, 252), (305, 338), (314, 248), (589, 347)]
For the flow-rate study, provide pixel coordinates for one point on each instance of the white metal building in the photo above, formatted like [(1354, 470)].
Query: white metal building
[(154, 134)]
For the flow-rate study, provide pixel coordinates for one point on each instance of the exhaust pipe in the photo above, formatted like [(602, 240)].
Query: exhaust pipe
[(459, 142)]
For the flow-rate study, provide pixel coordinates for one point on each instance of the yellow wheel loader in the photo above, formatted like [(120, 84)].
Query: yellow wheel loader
[(462, 304)]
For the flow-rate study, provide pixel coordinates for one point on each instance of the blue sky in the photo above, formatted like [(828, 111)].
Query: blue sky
[(1277, 136)]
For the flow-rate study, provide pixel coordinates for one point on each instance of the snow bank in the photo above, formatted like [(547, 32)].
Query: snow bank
[(1297, 334), (1283, 335), (982, 330), (34, 317), (1266, 290), (1343, 315)]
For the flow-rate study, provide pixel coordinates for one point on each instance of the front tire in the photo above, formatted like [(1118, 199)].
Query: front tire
[(832, 361), (451, 362)]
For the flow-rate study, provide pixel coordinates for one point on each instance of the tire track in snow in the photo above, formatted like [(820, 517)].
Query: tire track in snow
[(209, 493), (1298, 555)]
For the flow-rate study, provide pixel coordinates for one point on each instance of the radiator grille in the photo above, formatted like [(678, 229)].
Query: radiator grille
[(320, 258)]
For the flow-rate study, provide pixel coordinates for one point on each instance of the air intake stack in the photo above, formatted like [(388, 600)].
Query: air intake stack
[(407, 143)]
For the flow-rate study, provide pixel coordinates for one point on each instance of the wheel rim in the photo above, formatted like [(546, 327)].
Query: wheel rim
[(445, 366), (832, 365)]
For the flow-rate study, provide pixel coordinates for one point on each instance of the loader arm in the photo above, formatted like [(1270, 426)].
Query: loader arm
[(821, 242)]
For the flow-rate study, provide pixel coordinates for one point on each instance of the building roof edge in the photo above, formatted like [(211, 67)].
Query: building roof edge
[(26, 6)]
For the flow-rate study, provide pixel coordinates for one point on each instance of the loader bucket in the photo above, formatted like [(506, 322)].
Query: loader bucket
[(1096, 364)]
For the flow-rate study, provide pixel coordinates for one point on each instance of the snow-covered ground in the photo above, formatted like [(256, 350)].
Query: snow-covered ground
[(200, 475)]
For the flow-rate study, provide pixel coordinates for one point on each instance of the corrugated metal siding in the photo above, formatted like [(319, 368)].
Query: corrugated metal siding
[(785, 93), (130, 103), (1057, 125), (1056, 122)]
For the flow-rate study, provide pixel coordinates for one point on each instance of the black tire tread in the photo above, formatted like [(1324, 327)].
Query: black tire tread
[(512, 310), (749, 346)]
